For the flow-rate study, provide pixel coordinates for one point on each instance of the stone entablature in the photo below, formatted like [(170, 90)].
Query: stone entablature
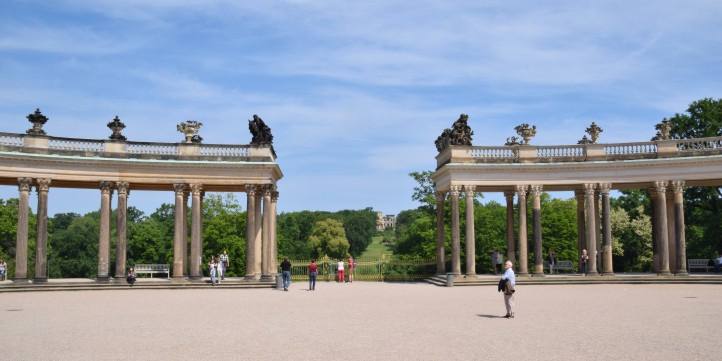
[(580, 152)]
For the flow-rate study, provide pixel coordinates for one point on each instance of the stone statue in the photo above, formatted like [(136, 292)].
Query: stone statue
[(585, 140), (664, 128), (190, 129), (38, 120), (510, 141), (460, 133), (594, 130), (260, 131)]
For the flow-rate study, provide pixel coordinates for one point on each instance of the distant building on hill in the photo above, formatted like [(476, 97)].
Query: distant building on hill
[(385, 221)]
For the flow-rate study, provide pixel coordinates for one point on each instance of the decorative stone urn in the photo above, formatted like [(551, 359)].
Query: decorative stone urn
[(38, 120), (526, 132), (594, 130), (117, 127), (190, 129)]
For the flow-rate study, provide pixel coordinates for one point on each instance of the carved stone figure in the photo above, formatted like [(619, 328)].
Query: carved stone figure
[(190, 129), (663, 129), (38, 120), (117, 127), (511, 141), (594, 130), (526, 132), (260, 131), (585, 140), (459, 134)]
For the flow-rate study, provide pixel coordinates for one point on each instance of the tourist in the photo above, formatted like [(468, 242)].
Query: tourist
[(224, 264), (286, 273), (583, 262), (3, 269), (339, 270), (507, 284), (552, 261), (312, 274), (212, 269), (351, 268), (130, 278), (718, 263)]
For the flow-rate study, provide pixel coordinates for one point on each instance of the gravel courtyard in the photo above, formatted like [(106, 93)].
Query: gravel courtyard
[(366, 321)]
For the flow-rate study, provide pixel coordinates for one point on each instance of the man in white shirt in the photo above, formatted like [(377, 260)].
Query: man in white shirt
[(509, 288)]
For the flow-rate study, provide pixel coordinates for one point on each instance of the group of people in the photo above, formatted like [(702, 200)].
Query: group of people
[(217, 267), (313, 272)]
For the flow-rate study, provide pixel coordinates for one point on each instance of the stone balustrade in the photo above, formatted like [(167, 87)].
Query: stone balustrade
[(580, 152), (14, 142)]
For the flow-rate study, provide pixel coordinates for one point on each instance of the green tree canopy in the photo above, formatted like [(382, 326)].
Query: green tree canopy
[(328, 237)]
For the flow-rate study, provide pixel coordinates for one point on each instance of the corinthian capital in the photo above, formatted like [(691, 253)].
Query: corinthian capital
[(604, 188), (454, 190), (197, 189), (678, 186), (536, 189), (521, 190), (122, 188), (589, 189), (660, 186), (24, 184)]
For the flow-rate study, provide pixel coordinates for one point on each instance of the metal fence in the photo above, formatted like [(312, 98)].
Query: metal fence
[(386, 268)]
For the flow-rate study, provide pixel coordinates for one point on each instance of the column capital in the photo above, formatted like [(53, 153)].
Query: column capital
[(604, 188), (589, 189), (24, 184), (521, 190), (454, 190), (660, 186), (123, 188), (43, 184), (251, 189), (469, 191), (274, 196), (509, 195), (440, 196), (678, 186), (179, 188), (267, 190), (536, 189), (196, 189)]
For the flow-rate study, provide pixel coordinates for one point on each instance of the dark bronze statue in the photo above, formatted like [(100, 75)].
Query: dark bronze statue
[(260, 131), (459, 134)]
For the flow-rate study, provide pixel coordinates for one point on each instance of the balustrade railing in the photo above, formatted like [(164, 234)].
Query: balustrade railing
[(560, 151), (622, 149), (152, 148), (699, 144), (390, 268), (11, 139), (493, 152), (73, 144), (220, 150)]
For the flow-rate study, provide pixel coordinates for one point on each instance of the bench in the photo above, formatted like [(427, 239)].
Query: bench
[(561, 266), (152, 268), (698, 264)]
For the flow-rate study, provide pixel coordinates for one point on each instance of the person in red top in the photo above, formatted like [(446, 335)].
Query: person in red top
[(312, 274), (351, 267)]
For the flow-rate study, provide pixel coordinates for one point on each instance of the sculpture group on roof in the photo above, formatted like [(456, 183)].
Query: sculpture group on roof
[(459, 134), (260, 131)]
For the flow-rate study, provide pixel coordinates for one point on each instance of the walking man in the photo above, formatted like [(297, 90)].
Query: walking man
[(286, 272), (224, 264), (312, 274), (507, 285)]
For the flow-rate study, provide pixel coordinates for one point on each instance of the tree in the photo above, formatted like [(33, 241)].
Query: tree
[(328, 238)]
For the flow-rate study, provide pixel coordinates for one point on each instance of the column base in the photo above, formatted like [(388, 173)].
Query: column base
[(266, 278), (471, 275), (595, 273), (664, 273), (523, 274), (40, 280), (250, 278), (537, 274), (103, 279), (20, 280), (682, 274), (607, 273)]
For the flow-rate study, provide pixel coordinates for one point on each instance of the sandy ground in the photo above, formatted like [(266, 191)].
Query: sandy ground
[(366, 321)]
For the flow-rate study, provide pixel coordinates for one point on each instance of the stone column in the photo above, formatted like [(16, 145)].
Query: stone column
[(121, 229), (660, 214), (591, 229), (597, 227), (250, 231), (455, 231), (41, 244), (178, 238), (581, 222), (470, 234), (678, 188), (440, 233), (106, 193), (196, 231), (258, 243), (274, 240), (607, 266), (266, 236), (21, 247), (671, 230), (523, 257), (186, 244), (655, 240), (536, 191), (510, 248)]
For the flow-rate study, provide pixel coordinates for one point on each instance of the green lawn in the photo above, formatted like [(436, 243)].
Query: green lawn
[(376, 249)]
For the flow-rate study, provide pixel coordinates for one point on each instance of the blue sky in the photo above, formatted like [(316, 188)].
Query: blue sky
[(355, 92)]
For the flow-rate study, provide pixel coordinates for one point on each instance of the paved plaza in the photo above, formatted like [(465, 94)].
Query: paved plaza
[(365, 321)]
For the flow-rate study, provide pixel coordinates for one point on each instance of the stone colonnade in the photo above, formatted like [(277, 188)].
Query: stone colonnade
[(261, 231), (593, 224)]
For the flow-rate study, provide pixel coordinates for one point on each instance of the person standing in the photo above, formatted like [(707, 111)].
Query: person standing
[(718, 263), (312, 274), (212, 269), (552, 261), (339, 270), (131, 277), (583, 262), (351, 268), (224, 263), (3, 270), (286, 273), (507, 284)]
